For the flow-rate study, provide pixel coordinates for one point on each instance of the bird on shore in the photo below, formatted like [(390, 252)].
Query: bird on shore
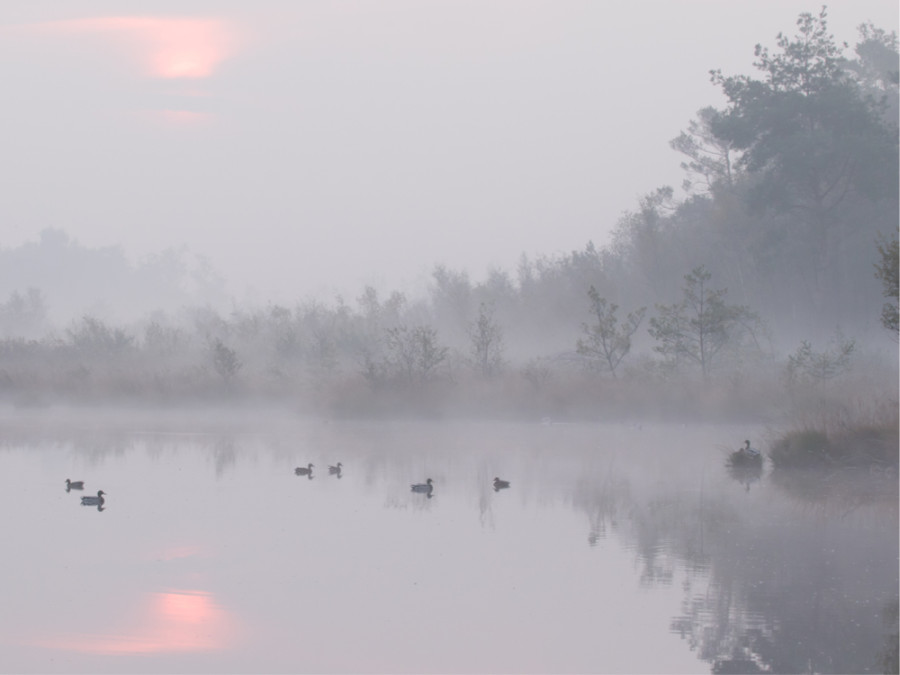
[(500, 484), (74, 485), (424, 488), (94, 501), (335, 470), (304, 471)]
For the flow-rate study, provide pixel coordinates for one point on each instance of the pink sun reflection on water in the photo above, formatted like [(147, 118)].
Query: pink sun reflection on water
[(170, 621)]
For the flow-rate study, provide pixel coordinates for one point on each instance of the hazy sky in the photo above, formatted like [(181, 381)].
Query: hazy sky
[(312, 147)]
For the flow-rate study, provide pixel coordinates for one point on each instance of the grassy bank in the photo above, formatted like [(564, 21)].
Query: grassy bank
[(865, 444)]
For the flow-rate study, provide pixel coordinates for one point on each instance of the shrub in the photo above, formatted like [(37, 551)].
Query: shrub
[(798, 449)]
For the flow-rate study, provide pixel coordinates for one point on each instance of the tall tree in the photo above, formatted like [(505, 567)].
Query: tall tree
[(486, 338), (700, 326), (710, 154), (816, 146), (606, 342)]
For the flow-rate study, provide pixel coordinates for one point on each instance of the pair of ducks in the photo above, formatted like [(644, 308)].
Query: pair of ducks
[(427, 487), (308, 470), (97, 501)]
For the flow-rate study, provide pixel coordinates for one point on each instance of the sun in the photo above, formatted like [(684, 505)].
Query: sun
[(166, 47)]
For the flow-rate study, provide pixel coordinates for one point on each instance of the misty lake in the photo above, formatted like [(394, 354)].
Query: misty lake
[(616, 548)]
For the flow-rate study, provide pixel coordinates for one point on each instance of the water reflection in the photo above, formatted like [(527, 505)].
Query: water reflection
[(224, 454), (797, 574), (601, 497), (838, 492), (170, 621), (745, 474), (787, 594)]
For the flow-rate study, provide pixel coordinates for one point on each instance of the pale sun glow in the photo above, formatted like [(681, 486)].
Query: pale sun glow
[(166, 47)]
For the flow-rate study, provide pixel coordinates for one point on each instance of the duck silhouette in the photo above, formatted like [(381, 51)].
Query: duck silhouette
[(500, 484), (305, 471), (335, 470), (97, 501), (74, 485), (423, 488)]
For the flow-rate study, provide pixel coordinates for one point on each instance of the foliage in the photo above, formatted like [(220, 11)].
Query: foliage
[(710, 155), (537, 373), (791, 181), (806, 366), (225, 361), (23, 314), (169, 280), (413, 354), (162, 340), (486, 343), (700, 326), (886, 271), (804, 448), (816, 150), (607, 343), (890, 659), (877, 72), (864, 445), (92, 337)]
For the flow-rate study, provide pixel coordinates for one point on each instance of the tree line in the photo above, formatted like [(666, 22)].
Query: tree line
[(787, 235)]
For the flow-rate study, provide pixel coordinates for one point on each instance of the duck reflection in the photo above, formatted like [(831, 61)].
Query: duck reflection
[(500, 484), (745, 465), (74, 485), (745, 474), (97, 501)]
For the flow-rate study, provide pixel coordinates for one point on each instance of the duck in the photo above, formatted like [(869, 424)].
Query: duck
[(74, 485), (304, 471), (500, 484), (753, 452), (94, 501), (425, 487), (332, 470)]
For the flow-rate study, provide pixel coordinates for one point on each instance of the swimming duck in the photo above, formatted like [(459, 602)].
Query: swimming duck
[(425, 487), (94, 501), (332, 470), (500, 484), (753, 452), (304, 471), (74, 485)]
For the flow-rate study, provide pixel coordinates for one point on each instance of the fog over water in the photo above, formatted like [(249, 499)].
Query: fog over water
[(449, 336), (614, 550)]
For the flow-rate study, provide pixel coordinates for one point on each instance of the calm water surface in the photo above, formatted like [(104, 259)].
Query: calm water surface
[(616, 549)]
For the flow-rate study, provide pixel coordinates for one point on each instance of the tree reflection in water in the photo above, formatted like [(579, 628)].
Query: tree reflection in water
[(797, 574), (746, 474), (803, 579), (800, 594)]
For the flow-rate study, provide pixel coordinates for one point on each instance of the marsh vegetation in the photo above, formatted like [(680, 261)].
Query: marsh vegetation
[(759, 292)]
